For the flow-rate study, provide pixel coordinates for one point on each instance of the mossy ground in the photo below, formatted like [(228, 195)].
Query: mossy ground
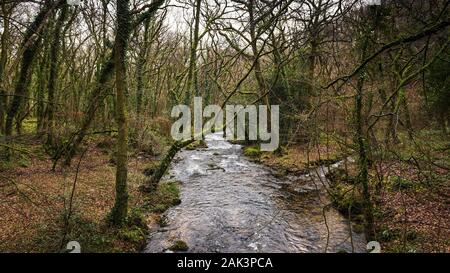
[(166, 196)]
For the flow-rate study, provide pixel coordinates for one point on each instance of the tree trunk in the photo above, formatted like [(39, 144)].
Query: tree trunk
[(363, 165), (140, 67), (362, 144), (3, 103), (3, 60), (30, 47), (192, 86), (119, 211), (54, 59), (255, 52)]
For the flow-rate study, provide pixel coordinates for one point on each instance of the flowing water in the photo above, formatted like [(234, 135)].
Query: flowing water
[(230, 204)]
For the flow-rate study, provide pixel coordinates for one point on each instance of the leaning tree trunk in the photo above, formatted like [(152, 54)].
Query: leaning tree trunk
[(119, 211), (152, 183)]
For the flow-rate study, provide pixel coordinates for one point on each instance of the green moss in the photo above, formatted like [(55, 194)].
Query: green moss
[(133, 235), (179, 245), (347, 199), (29, 125), (252, 151), (349, 204), (358, 228), (399, 183), (166, 195)]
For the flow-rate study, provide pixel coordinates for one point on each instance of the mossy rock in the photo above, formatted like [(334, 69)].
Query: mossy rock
[(179, 245), (252, 151), (136, 219), (358, 228), (280, 173)]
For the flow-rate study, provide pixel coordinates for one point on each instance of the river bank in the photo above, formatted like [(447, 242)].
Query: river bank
[(411, 207)]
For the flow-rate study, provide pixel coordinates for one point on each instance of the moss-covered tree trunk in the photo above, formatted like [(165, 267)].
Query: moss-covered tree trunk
[(6, 11), (3, 103), (164, 165), (363, 161), (41, 81), (30, 46), (192, 84), (119, 211), (54, 60), (361, 139)]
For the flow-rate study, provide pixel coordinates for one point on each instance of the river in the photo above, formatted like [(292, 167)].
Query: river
[(231, 204)]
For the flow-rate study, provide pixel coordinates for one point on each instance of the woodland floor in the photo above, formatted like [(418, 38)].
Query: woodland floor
[(35, 201)]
